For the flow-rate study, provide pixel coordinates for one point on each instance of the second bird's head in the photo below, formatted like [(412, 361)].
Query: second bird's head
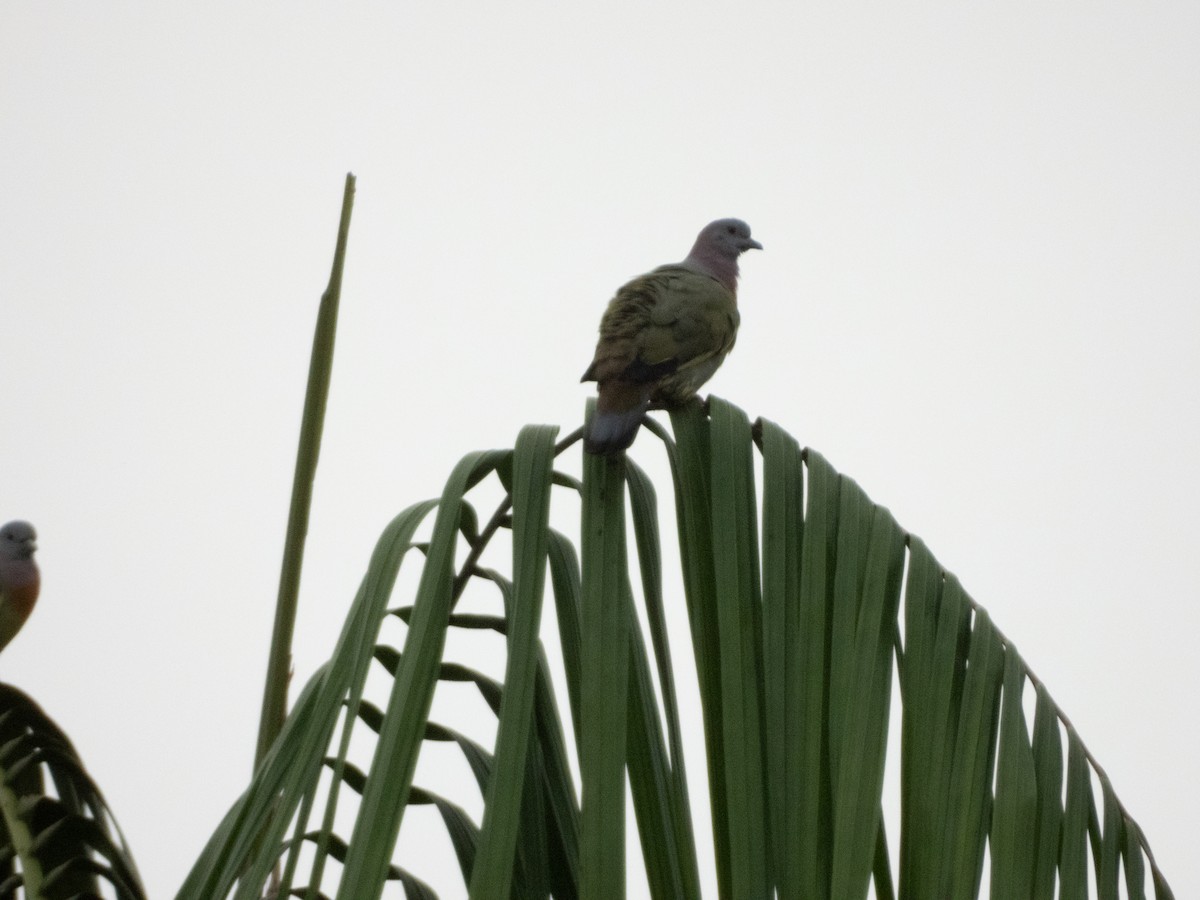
[(18, 540)]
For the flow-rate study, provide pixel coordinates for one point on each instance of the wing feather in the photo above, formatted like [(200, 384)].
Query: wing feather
[(666, 321)]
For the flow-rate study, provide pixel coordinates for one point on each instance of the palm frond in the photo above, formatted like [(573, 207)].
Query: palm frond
[(803, 621), (57, 836)]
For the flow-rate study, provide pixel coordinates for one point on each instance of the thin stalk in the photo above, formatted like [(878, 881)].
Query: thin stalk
[(274, 707)]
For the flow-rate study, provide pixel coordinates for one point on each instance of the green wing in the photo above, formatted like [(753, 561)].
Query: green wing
[(694, 319), (669, 320)]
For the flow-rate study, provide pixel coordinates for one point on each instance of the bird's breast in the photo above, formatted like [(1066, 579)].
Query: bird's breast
[(22, 596)]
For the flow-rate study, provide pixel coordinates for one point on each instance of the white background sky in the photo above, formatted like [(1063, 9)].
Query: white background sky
[(978, 298)]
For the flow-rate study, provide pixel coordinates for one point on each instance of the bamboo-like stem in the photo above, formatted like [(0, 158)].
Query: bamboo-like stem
[(274, 707)]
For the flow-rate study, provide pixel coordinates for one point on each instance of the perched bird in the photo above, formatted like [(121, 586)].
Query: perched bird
[(19, 578), (665, 333)]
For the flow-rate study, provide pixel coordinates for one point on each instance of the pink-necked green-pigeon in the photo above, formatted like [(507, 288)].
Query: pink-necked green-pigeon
[(19, 578), (665, 333)]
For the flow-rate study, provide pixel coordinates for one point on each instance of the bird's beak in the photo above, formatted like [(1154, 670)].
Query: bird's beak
[(752, 244)]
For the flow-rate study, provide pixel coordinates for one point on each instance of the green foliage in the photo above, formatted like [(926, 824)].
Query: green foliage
[(802, 621), (57, 836)]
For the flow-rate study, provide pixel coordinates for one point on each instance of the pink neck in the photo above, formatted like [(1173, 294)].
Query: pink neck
[(707, 261)]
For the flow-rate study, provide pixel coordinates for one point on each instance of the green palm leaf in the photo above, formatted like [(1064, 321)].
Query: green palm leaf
[(57, 836), (802, 621)]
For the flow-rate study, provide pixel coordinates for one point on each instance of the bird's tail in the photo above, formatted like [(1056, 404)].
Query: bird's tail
[(612, 431)]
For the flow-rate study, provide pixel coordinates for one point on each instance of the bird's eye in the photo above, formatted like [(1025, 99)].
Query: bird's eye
[(731, 230)]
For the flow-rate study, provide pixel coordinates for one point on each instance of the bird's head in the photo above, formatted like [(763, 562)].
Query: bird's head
[(18, 540), (717, 249), (727, 238)]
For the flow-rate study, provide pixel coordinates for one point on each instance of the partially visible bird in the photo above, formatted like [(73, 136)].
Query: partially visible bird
[(19, 578), (665, 333)]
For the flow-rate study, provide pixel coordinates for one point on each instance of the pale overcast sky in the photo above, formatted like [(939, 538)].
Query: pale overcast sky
[(978, 297)]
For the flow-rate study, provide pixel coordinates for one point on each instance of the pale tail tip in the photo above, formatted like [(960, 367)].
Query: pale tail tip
[(611, 433)]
